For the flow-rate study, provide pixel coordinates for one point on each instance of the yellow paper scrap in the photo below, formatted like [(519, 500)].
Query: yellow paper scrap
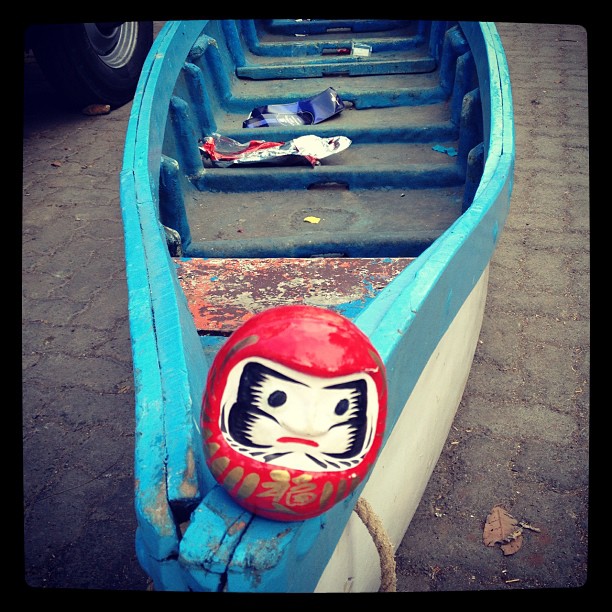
[(312, 219)]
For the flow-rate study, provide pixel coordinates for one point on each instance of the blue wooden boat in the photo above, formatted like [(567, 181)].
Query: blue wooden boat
[(393, 234)]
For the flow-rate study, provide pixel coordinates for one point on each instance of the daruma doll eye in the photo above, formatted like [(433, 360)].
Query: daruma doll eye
[(276, 399), (341, 407)]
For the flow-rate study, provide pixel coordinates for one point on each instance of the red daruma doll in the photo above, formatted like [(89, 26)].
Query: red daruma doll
[(294, 412)]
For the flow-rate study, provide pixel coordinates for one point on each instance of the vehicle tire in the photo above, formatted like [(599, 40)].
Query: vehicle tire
[(93, 63)]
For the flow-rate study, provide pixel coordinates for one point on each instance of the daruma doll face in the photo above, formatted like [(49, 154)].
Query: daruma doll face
[(294, 412)]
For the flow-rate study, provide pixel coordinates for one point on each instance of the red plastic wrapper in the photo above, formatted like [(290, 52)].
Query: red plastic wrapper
[(304, 150)]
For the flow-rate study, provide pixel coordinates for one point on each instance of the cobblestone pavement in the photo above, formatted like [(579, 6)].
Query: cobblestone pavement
[(521, 436)]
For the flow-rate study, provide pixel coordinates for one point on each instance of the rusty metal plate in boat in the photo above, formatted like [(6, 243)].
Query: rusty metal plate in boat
[(224, 293)]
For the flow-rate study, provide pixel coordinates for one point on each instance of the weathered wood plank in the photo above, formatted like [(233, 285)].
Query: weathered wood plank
[(223, 293)]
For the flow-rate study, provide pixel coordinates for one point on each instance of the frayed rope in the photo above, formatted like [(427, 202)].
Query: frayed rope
[(369, 518)]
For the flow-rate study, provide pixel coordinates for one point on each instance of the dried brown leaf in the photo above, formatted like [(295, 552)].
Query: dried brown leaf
[(499, 528), (509, 548)]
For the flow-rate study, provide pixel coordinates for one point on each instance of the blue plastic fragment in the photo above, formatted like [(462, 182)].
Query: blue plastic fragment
[(451, 151), (304, 112)]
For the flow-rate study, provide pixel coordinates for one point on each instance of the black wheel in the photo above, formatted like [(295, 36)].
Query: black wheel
[(93, 63)]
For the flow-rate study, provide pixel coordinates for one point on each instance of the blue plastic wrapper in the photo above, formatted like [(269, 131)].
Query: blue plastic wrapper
[(304, 112)]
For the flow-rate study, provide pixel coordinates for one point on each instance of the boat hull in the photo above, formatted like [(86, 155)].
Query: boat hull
[(410, 454), (424, 323)]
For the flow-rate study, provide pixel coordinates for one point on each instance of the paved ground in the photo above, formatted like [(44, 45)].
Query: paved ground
[(521, 436)]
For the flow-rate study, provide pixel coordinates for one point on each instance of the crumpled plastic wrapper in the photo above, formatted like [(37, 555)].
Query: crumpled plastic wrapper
[(303, 112), (304, 150)]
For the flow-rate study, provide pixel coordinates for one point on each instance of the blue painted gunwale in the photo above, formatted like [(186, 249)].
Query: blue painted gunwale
[(405, 324)]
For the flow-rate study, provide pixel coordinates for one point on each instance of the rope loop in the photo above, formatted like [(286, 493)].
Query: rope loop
[(388, 579)]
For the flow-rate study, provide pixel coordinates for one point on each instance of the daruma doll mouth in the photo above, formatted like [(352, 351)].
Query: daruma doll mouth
[(289, 439)]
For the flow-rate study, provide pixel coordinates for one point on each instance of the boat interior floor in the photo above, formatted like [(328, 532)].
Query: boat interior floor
[(325, 219), (411, 110)]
